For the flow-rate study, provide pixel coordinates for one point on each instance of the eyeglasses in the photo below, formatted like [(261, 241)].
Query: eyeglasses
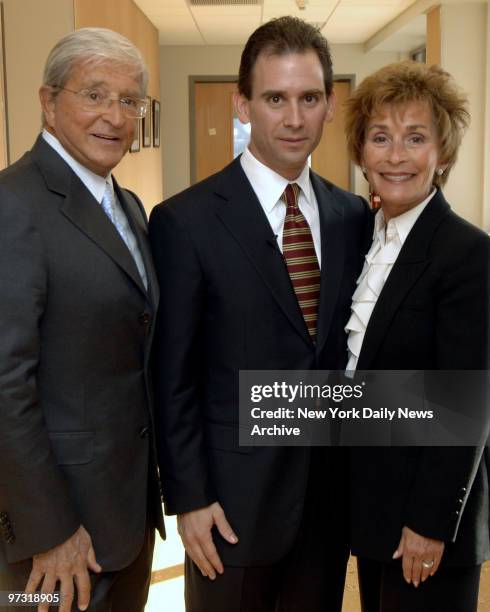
[(96, 101)]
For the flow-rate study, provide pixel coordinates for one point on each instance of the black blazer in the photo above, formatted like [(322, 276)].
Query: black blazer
[(75, 399), (228, 304), (432, 314)]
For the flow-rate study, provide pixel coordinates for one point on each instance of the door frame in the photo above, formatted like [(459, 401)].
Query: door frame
[(193, 79), (351, 79)]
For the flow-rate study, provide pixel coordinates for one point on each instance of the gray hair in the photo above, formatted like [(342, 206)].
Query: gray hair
[(92, 46)]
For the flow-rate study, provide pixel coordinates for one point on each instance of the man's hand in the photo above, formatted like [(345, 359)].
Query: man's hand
[(420, 556), (65, 563), (195, 530)]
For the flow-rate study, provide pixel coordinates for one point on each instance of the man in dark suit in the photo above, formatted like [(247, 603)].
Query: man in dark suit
[(250, 281), (79, 493)]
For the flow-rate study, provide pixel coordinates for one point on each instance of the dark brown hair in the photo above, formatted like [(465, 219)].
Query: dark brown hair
[(279, 37), (400, 84)]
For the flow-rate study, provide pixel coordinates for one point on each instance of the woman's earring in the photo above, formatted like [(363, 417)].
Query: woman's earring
[(374, 200), (439, 171)]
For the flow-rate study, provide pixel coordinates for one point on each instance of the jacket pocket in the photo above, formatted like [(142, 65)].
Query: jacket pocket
[(72, 447)]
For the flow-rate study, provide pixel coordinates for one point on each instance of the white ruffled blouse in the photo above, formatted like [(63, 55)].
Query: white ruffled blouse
[(388, 240)]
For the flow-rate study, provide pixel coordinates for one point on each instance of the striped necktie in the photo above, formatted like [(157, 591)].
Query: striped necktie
[(299, 254)]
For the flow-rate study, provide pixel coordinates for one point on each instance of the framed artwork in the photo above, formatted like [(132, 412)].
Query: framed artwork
[(156, 122), (147, 124), (135, 145)]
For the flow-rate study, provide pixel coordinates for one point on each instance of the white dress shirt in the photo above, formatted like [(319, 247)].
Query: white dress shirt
[(269, 186), (388, 240), (96, 185)]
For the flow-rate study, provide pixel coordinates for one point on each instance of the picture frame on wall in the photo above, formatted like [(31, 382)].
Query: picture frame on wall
[(156, 122), (147, 125), (135, 145)]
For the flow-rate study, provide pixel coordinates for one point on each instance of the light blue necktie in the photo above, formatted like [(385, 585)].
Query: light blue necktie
[(121, 224), (110, 211)]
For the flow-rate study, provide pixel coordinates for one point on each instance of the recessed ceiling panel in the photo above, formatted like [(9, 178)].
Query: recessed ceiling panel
[(226, 24), (315, 10), (348, 21), (186, 34), (232, 34), (354, 21), (173, 20)]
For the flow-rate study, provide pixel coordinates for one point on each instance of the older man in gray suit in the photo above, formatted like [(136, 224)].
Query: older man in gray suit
[(79, 492)]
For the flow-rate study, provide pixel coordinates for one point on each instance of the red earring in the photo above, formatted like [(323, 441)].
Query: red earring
[(374, 200)]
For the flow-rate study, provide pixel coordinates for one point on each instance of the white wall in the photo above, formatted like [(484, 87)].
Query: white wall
[(486, 179), (464, 55), (30, 34), (178, 62)]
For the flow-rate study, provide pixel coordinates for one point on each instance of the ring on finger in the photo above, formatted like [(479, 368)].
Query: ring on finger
[(428, 564)]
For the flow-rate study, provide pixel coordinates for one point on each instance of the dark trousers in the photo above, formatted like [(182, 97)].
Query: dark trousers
[(125, 590), (309, 579), (383, 589)]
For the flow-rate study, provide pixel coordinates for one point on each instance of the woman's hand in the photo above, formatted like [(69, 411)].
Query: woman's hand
[(420, 556)]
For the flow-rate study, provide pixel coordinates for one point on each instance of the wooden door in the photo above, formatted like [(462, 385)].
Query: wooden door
[(213, 114), (330, 159)]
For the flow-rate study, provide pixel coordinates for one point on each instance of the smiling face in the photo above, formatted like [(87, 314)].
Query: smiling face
[(287, 110), (401, 155), (98, 140)]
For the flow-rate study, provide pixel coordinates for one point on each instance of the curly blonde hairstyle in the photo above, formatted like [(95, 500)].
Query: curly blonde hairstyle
[(405, 82)]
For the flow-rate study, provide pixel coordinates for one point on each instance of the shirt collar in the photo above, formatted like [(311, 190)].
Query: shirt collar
[(402, 223), (93, 182), (268, 185)]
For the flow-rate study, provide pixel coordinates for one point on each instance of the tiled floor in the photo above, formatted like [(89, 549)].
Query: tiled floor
[(168, 596)]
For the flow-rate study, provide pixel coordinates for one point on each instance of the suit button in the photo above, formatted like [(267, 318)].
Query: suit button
[(459, 502), (144, 432), (144, 318), (462, 491), (455, 515)]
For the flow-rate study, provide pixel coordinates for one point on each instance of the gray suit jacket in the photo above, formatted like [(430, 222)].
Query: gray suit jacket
[(75, 336)]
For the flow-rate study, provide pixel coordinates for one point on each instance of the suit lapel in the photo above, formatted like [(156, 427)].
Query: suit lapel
[(409, 266), (81, 208), (84, 212), (332, 245), (244, 218)]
